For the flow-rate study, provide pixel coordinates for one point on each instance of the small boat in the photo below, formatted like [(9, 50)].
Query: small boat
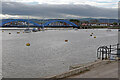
[(34, 29), (39, 29), (27, 30), (75, 29)]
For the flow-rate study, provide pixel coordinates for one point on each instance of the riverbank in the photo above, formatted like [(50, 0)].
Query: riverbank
[(32, 28), (97, 69), (103, 71), (57, 28)]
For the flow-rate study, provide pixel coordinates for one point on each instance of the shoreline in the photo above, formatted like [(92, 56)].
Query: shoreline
[(85, 68), (14, 28)]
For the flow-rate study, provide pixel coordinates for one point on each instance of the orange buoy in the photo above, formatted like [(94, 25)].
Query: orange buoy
[(94, 36), (66, 40), (28, 44), (18, 32)]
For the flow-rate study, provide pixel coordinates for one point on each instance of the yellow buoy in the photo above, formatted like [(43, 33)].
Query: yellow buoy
[(94, 36), (23, 32), (18, 32), (28, 44)]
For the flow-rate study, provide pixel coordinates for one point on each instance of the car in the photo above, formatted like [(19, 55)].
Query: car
[(34, 29)]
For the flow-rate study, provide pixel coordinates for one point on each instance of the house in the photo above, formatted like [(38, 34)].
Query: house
[(104, 24), (101, 24), (93, 24), (84, 24)]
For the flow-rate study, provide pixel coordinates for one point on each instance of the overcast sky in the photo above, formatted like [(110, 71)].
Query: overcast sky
[(59, 8)]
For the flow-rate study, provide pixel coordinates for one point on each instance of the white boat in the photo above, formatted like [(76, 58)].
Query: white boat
[(75, 29), (27, 30), (34, 29)]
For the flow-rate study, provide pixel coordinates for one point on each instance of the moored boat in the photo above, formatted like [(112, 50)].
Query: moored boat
[(34, 29), (27, 30)]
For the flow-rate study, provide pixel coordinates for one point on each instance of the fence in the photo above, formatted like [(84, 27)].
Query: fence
[(108, 52)]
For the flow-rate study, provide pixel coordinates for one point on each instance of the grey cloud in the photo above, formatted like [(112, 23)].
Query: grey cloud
[(57, 11)]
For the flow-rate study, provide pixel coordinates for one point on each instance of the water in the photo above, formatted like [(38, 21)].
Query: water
[(0, 54), (48, 53)]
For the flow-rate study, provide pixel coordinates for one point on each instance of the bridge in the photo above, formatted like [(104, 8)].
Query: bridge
[(51, 23)]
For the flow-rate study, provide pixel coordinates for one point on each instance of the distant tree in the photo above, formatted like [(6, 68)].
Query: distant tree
[(114, 23), (60, 19), (74, 20), (94, 21), (87, 22)]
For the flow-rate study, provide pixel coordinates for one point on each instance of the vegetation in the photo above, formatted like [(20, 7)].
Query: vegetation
[(115, 23), (74, 20), (94, 21), (86, 22)]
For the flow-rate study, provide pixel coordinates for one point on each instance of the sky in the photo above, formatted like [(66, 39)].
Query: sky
[(59, 9)]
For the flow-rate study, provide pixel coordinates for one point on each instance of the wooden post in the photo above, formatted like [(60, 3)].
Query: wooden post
[(110, 51), (118, 51), (102, 54)]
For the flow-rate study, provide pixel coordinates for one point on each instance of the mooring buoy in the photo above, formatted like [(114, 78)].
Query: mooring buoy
[(18, 32), (28, 44), (94, 36), (91, 35), (66, 40)]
